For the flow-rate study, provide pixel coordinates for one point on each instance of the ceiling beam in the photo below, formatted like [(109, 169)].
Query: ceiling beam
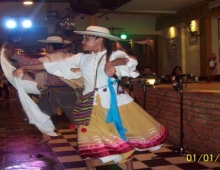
[(196, 12), (158, 14)]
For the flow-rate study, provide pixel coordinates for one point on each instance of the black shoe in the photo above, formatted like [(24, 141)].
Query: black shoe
[(43, 141)]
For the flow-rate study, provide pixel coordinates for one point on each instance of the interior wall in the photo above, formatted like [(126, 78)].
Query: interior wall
[(132, 24), (192, 55), (215, 40), (186, 53), (170, 56)]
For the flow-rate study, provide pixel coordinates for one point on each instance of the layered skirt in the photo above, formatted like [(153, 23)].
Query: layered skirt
[(101, 140)]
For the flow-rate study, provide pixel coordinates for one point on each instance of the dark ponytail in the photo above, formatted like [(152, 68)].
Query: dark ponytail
[(108, 45)]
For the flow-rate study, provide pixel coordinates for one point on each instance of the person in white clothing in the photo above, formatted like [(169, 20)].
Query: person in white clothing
[(110, 136), (54, 92)]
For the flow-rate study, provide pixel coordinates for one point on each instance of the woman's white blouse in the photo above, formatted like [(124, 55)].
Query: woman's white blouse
[(88, 64)]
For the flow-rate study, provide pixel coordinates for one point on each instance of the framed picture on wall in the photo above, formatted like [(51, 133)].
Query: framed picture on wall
[(172, 44), (192, 37), (171, 48)]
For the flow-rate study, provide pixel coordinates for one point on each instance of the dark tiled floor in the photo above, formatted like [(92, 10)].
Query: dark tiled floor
[(18, 139), (18, 150)]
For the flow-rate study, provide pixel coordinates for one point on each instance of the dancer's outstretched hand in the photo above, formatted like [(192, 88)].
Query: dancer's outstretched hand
[(18, 72)]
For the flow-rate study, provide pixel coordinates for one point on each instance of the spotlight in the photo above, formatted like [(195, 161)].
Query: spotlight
[(17, 23), (26, 23), (11, 24)]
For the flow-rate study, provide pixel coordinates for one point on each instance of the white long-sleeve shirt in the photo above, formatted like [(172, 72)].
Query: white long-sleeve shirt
[(88, 64)]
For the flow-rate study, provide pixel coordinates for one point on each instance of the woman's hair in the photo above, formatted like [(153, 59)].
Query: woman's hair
[(57, 46), (108, 45), (174, 69)]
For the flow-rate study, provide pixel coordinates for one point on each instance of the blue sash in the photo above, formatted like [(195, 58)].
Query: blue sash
[(113, 115)]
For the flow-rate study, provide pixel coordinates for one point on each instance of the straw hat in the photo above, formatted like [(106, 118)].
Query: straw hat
[(55, 39), (98, 31)]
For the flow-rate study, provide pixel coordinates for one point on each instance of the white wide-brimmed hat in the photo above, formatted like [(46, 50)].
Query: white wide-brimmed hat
[(55, 39), (98, 31)]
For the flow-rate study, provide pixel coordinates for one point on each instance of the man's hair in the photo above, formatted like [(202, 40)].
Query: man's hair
[(146, 67), (57, 46)]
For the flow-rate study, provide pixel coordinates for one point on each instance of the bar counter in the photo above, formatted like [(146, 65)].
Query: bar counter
[(212, 87), (200, 111)]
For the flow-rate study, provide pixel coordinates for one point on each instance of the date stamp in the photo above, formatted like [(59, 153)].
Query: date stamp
[(202, 157)]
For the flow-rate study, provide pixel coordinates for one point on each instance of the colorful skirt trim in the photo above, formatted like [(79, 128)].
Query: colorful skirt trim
[(101, 140)]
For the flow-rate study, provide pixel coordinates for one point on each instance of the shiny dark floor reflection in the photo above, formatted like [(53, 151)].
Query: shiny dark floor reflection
[(18, 150), (18, 140)]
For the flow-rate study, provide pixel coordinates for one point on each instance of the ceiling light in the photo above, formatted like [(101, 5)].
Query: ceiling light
[(150, 81), (28, 2), (124, 36)]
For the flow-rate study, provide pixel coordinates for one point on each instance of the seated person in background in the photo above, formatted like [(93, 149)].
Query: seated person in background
[(147, 72), (177, 70)]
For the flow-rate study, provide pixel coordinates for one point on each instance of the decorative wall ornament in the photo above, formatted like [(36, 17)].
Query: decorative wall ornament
[(194, 28), (192, 37), (68, 24), (171, 48)]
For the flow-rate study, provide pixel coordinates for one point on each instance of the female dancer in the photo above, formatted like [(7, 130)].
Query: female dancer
[(116, 129)]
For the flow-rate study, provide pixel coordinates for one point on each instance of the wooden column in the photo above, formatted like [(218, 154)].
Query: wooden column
[(159, 51), (183, 49), (92, 20), (205, 46)]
